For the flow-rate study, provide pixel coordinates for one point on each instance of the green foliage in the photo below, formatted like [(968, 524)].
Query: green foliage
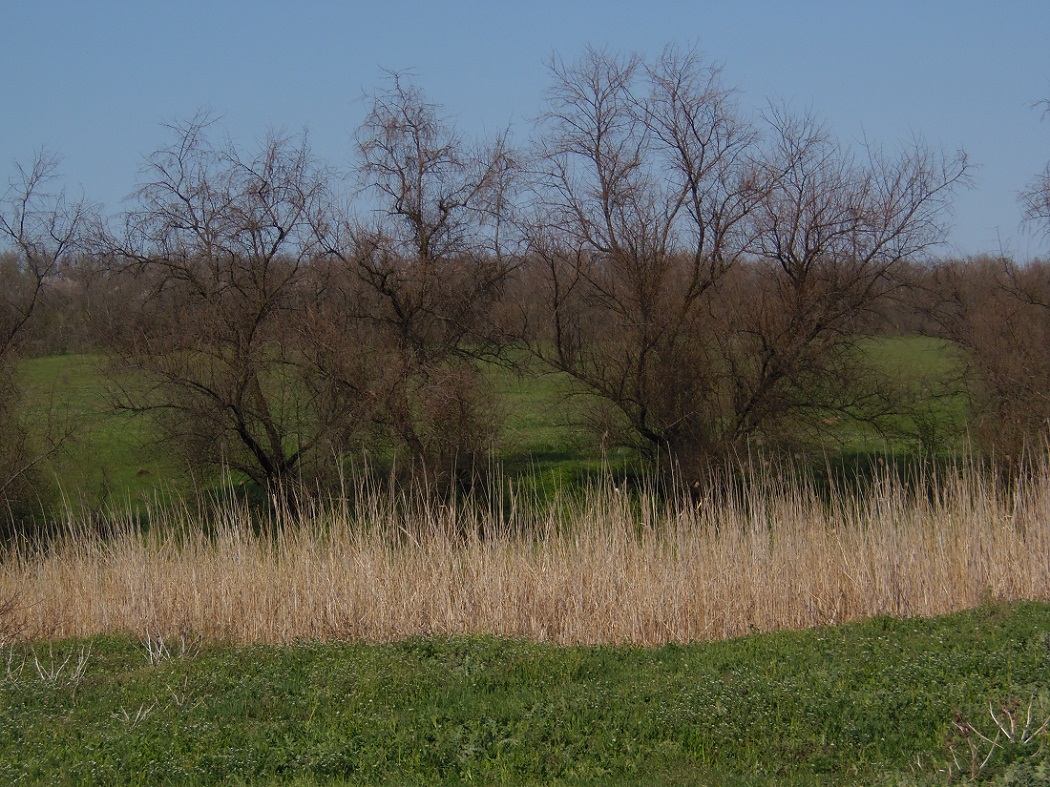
[(866, 703)]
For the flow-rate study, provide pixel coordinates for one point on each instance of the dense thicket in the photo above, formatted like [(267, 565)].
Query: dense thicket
[(998, 312)]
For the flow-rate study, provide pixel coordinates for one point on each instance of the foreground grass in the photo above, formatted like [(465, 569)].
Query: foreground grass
[(866, 703)]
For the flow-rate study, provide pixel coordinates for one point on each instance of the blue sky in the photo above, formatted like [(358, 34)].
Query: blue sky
[(94, 81)]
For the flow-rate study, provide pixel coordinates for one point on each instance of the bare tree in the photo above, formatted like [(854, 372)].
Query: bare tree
[(827, 240), (702, 278), (41, 230), (644, 176), (221, 244), (424, 271), (1035, 199)]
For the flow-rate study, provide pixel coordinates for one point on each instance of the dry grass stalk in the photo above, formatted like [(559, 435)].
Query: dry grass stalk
[(606, 569)]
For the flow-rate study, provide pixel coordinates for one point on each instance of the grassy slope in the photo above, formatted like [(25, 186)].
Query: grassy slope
[(543, 437), (865, 703)]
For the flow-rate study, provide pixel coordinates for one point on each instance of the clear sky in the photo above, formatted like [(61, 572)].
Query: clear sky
[(93, 80)]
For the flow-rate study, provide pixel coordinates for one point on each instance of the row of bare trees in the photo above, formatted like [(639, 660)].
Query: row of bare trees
[(704, 275), (276, 330)]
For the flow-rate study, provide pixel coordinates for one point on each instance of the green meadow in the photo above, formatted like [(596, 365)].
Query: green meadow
[(108, 456), (114, 457), (885, 701)]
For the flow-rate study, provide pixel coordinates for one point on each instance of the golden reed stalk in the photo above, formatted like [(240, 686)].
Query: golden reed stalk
[(609, 568)]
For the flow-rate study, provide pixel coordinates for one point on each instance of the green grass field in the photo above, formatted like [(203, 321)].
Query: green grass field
[(930, 370), (117, 455), (114, 458), (867, 703), (110, 457)]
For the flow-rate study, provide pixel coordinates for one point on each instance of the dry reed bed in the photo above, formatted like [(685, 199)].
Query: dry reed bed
[(607, 569)]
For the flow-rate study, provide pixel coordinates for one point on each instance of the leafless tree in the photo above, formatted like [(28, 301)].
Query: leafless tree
[(424, 269), (40, 229), (827, 240), (644, 175), (701, 277), (221, 244), (1035, 199)]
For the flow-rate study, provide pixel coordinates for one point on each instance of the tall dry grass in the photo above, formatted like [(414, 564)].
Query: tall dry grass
[(606, 568)]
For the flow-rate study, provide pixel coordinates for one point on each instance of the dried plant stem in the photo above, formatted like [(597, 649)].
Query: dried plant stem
[(607, 569)]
